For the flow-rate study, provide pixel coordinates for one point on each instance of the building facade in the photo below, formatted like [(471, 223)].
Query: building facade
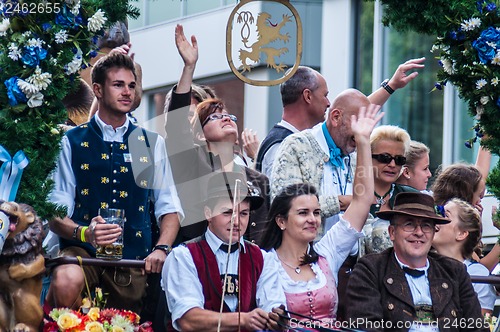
[(343, 39)]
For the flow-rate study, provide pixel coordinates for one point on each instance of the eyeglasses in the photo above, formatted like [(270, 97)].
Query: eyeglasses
[(386, 158), (219, 116), (411, 226)]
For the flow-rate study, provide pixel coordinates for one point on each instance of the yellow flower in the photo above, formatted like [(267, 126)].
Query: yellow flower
[(86, 303), (117, 329), (93, 313), (94, 326), (68, 320)]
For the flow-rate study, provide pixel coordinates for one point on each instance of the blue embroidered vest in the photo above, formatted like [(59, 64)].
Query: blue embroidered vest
[(105, 178)]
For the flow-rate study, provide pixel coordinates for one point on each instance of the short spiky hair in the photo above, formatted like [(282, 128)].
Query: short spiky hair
[(390, 133), (112, 60)]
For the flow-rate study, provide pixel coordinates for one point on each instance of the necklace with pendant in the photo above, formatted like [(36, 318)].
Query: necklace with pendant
[(381, 199), (296, 269)]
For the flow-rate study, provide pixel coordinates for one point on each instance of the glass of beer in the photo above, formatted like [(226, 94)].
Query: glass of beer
[(114, 250)]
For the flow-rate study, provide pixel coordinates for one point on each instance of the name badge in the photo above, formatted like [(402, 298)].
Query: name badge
[(127, 157)]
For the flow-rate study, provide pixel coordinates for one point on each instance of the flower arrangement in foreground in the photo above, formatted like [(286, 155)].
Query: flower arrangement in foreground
[(43, 46), (93, 317), (469, 53), (95, 320)]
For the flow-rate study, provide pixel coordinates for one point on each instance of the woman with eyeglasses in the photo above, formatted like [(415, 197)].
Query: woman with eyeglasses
[(204, 145), (458, 240), (389, 145)]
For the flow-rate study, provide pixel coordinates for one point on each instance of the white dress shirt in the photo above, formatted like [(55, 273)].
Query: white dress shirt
[(184, 290), (336, 181), (270, 155), (165, 194)]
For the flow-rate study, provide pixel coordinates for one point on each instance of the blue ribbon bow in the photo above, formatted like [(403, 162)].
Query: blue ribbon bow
[(336, 156), (10, 173)]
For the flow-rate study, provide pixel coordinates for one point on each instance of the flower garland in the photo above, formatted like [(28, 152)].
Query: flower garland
[(469, 54), (423, 16), (468, 49), (43, 46)]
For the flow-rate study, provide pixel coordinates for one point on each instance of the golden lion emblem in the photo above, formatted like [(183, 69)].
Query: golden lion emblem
[(267, 33)]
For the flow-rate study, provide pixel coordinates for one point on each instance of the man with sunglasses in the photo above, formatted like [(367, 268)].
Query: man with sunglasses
[(407, 287)]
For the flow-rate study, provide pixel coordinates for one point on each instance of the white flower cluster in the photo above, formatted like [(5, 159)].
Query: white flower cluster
[(37, 82), (4, 26), (14, 52), (481, 83), (448, 66), (35, 42), (76, 7), (61, 36), (471, 24), (75, 64), (96, 22)]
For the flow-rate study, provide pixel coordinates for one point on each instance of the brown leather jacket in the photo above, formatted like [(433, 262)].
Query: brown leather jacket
[(378, 291)]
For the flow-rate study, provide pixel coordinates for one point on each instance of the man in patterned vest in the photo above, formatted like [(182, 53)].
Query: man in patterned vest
[(203, 273), (109, 162)]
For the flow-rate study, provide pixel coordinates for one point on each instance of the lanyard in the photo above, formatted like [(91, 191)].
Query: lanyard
[(343, 188)]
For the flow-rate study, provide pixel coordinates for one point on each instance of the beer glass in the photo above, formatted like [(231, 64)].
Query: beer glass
[(114, 250)]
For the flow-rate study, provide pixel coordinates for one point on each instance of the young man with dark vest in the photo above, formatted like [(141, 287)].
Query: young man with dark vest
[(203, 272), (110, 162)]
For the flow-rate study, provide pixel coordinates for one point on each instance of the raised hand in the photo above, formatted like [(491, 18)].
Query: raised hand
[(250, 142), (188, 51), (401, 78), (363, 124), (123, 49)]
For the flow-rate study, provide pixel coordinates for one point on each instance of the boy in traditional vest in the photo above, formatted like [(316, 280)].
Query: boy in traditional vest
[(198, 273)]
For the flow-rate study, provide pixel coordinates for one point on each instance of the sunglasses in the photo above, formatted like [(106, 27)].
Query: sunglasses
[(219, 116), (386, 158)]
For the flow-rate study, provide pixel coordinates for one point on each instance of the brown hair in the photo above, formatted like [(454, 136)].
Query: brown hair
[(469, 220), (112, 60), (456, 181), (205, 108)]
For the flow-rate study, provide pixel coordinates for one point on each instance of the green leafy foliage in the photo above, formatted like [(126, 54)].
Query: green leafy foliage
[(43, 45), (423, 16), (468, 49)]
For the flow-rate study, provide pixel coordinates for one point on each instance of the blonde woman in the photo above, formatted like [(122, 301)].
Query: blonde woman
[(389, 146), (416, 172)]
